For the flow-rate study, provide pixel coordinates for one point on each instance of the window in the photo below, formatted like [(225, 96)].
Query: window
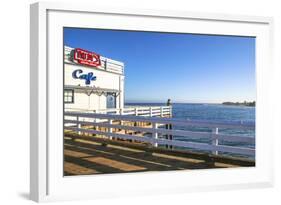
[(68, 96)]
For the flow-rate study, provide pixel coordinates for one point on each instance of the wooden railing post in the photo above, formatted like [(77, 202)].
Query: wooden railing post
[(121, 121), (161, 111), (136, 111), (169, 136), (155, 134), (215, 140), (150, 111), (78, 125), (95, 119), (110, 129)]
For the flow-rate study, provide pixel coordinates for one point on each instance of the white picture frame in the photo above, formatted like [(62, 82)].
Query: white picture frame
[(46, 178)]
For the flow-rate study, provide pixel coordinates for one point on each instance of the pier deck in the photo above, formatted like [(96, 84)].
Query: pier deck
[(85, 156)]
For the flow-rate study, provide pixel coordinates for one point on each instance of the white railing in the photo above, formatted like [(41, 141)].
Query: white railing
[(160, 111), (157, 135)]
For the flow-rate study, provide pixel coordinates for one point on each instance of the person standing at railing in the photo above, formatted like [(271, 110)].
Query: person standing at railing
[(169, 102), (170, 105)]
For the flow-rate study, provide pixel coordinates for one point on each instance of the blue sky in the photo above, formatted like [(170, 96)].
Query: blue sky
[(182, 67)]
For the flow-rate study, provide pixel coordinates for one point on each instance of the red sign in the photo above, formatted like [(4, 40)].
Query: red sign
[(86, 57)]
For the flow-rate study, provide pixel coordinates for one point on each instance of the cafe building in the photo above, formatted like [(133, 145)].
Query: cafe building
[(92, 82)]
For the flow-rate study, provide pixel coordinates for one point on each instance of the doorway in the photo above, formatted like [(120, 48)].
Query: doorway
[(110, 100)]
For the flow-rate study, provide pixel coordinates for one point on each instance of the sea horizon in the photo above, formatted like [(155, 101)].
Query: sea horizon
[(206, 111)]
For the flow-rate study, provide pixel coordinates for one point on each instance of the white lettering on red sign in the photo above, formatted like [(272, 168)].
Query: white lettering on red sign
[(86, 57)]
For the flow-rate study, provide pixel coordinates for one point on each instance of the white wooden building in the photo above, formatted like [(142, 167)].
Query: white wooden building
[(92, 87)]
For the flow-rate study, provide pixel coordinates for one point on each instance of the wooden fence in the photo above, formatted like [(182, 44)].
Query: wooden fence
[(155, 134)]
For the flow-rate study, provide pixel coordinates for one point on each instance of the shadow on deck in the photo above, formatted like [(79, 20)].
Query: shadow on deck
[(88, 155)]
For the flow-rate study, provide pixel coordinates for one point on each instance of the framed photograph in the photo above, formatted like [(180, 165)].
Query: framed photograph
[(128, 102)]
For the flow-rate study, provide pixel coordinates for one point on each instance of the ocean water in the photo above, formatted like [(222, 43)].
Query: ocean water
[(211, 112)]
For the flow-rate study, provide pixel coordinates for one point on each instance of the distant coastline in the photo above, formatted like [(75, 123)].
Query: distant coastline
[(245, 103)]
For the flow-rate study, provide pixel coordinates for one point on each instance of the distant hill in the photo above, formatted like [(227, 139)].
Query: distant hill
[(245, 103)]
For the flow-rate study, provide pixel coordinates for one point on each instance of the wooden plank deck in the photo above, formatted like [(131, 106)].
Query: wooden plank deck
[(89, 155)]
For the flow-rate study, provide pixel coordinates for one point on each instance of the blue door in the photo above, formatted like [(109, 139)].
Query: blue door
[(110, 100)]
